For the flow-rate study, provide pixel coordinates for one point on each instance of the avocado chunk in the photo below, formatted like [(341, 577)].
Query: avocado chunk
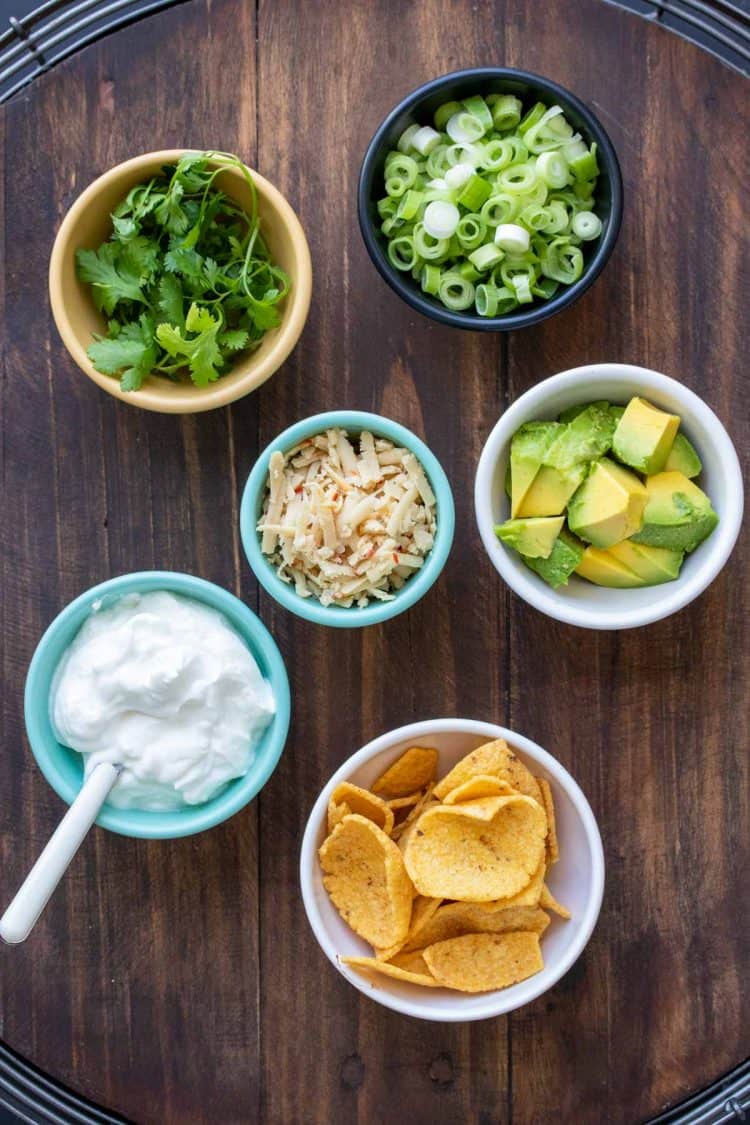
[(678, 514), (653, 564), (585, 437), (644, 436), (573, 411), (551, 490), (608, 506), (567, 552), (527, 448), (534, 538), (617, 413), (603, 569), (683, 458)]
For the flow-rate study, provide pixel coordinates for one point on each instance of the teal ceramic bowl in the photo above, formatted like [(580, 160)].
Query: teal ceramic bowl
[(354, 421), (63, 767)]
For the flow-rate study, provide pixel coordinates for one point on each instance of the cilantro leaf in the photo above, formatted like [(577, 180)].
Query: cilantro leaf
[(133, 352), (170, 212), (171, 299), (234, 339), (200, 352), (112, 278)]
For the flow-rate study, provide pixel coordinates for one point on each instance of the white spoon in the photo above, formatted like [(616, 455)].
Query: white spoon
[(38, 886)]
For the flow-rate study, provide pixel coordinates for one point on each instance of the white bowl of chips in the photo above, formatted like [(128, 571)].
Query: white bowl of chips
[(461, 886)]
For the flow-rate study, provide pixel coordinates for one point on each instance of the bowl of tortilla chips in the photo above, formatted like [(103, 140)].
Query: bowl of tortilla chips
[(452, 870)]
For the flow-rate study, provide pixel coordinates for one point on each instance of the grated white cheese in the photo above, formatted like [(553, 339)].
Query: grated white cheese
[(347, 519)]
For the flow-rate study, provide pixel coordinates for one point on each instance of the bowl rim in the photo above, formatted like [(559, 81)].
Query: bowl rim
[(501, 1001), (183, 399), (536, 313), (167, 825), (415, 588), (548, 601)]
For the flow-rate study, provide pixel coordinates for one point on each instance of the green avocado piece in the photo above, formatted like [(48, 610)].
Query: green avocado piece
[(534, 538), (566, 554), (573, 411), (678, 515), (550, 491), (608, 506), (644, 436), (527, 448), (586, 437), (683, 458), (617, 413), (653, 564), (603, 569)]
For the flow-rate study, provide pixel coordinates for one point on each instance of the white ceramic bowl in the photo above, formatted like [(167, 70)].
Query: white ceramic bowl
[(580, 602), (577, 879)]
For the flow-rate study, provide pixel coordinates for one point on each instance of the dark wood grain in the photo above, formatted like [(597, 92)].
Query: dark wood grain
[(178, 982)]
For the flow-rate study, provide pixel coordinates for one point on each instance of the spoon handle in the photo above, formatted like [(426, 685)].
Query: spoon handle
[(35, 891)]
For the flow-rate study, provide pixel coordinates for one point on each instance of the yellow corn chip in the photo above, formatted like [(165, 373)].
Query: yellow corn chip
[(478, 851), (548, 901), (553, 850), (360, 801), (483, 785), (413, 770), (371, 965), (364, 874), (482, 962), (421, 912), (458, 918), (494, 758), (397, 803), (412, 962), (425, 801), (529, 896)]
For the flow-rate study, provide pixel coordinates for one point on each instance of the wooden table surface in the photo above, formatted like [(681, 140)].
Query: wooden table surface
[(179, 982)]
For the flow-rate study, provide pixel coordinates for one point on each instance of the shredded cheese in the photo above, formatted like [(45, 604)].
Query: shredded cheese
[(347, 519)]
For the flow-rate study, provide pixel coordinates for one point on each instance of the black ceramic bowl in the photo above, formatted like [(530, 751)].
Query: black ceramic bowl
[(419, 107)]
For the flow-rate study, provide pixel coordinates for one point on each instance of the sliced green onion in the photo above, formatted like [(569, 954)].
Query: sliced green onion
[(437, 163), (468, 271), (464, 127), (428, 247), (425, 140), (458, 175), (534, 216), (563, 262), (478, 108), (409, 204), (401, 253), (470, 231), (506, 112), (512, 238), (430, 279), (587, 225), (455, 291), (474, 193), (557, 218), (506, 300), (545, 287), (553, 168), (485, 257), (444, 113), (387, 206), (522, 289), (501, 208), (533, 117), (512, 268), (404, 142), (496, 155), (485, 300), (441, 219), (518, 179), (585, 167), (462, 154), (391, 224), (574, 148)]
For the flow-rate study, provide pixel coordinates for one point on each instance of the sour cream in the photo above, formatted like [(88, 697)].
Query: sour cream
[(162, 685)]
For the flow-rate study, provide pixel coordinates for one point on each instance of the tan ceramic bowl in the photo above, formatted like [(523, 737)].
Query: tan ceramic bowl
[(87, 224)]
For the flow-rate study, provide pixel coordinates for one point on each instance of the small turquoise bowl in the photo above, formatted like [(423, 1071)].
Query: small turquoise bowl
[(63, 767), (354, 422)]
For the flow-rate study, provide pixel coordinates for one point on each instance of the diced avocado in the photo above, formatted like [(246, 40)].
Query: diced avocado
[(617, 413), (573, 411), (653, 564), (508, 482), (678, 514), (550, 491), (608, 506), (585, 437), (603, 569), (683, 458), (534, 538), (644, 436), (527, 448), (567, 552)]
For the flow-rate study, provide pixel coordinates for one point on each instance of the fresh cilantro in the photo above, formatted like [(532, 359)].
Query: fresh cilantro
[(179, 243)]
